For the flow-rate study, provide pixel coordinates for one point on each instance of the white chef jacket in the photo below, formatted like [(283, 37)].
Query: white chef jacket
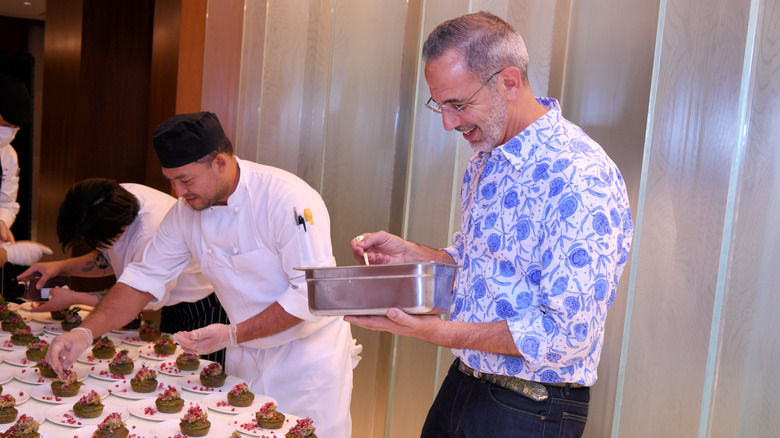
[(192, 285), (9, 188), (259, 219), (248, 249)]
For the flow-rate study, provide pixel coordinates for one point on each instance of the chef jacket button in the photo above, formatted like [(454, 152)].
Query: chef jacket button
[(235, 210), (209, 251), (235, 250)]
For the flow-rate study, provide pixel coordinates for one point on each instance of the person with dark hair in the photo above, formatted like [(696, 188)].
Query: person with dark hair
[(544, 235), (240, 221), (116, 222)]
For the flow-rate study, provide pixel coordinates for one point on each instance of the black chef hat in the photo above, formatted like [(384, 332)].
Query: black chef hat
[(186, 138)]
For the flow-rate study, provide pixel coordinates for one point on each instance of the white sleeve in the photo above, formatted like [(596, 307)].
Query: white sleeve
[(10, 185)]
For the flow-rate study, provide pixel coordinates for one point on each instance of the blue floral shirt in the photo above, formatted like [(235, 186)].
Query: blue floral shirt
[(545, 234)]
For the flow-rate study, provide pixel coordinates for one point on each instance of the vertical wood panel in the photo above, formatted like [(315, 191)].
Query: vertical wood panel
[(222, 61), (163, 81), (745, 403), (60, 138), (693, 133)]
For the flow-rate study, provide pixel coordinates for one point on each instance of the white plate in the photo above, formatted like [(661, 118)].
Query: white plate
[(218, 402), (37, 416), (192, 383), (43, 393), (32, 375), (63, 414), (6, 344), (14, 307), (55, 329), (148, 352), (17, 358), (169, 367), (133, 339), (101, 371), (124, 390), (246, 423), (5, 377), (170, 428), (20, 394), (86, 432), (87, 358), (146, 408), (45, 317), (125, 332)]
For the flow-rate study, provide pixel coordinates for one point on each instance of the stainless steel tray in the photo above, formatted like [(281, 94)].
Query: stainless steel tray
[(416, 288)]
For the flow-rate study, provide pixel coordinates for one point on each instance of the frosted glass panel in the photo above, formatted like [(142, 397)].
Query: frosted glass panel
[(692, 141), (746, 401)]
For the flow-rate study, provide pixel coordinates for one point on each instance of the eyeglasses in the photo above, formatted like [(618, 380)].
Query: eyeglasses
[(460, 107)]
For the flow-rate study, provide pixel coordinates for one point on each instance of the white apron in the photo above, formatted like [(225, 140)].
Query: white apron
[(307, 368)]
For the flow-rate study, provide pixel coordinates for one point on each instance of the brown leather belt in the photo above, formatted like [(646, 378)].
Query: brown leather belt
[(527, 388)]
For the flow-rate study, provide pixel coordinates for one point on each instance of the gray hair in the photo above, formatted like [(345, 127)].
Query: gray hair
[(488, 44)]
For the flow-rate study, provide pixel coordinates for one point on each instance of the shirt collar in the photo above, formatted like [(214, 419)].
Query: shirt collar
[(525, 144), (239, 195)]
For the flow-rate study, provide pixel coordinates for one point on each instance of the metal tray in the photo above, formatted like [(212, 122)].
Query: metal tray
[(416, 288)]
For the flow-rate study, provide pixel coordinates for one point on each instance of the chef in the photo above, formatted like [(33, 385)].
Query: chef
[(248, 226)]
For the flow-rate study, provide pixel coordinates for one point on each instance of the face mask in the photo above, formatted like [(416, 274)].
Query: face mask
[(7, 134)]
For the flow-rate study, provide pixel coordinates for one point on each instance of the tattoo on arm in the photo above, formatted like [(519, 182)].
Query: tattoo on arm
[(100, 262), (98, 294)]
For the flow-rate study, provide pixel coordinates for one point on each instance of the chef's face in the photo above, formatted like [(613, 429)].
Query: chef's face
[(483, 120), (201, 183)]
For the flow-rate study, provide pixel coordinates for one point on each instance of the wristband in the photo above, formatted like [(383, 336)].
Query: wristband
[(85, 330)]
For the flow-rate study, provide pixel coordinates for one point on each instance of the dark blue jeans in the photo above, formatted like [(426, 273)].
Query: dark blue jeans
[(467, 407)]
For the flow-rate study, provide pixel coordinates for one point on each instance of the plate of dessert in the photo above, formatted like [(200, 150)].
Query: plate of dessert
[(192, 422), (31, 413), (89, 431), (89, 356), (151, 409), (55, 317), (211, 378), (236, 401), (185, 364), (19, 394), (19, 338), (65, 415), (270, 424), (39, 375), (165, 348), (44, 393)]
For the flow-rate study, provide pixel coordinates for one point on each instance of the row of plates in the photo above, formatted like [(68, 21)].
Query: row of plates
[(167, 426), (118, 387)]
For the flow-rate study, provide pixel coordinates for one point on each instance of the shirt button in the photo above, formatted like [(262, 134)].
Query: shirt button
[(209, 251), (235, 250)]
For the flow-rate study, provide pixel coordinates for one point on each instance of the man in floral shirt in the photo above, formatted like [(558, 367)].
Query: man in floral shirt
[(545, 234)]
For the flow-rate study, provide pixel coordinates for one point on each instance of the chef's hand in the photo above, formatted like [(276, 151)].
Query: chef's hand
[(26, 253), (429, 328), (5, 233), (208, 339), (60, 298), (43, 270), (66, 348), (381, 247)]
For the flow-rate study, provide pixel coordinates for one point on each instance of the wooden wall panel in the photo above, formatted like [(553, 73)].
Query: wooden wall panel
[(59, 135)]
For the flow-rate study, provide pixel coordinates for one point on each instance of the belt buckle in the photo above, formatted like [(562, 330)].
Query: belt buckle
[(532, 390)]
